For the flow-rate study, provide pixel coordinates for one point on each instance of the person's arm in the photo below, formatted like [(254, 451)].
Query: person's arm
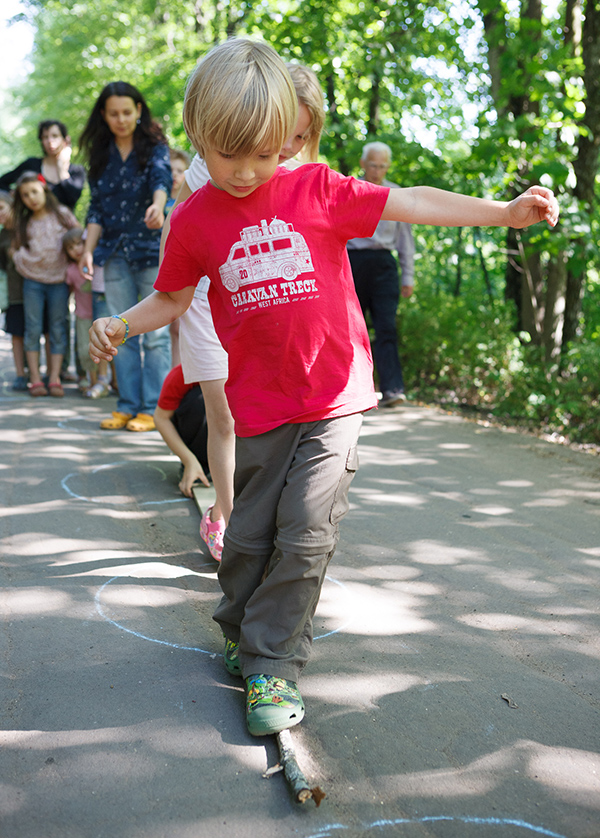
[(8, 179), (427, 205), (155, 214), (192, 470), (93, 232), (153, 312), (160, 180), (405, 248), (183, 194), (68, 218), (69, 190)]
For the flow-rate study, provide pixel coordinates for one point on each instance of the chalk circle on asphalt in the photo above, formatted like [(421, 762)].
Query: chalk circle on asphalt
[(121, 484), (470, 827), (144, 604)]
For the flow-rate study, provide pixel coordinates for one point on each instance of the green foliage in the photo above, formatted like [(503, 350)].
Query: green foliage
[(457, 351), (481, 97), (406, 53), (564, 402)]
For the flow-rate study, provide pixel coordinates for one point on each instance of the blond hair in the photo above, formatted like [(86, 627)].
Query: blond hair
[(179, 154), (309, 93), (240, 100)]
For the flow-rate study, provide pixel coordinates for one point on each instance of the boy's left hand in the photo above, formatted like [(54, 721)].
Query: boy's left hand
[(105, 335), (535, 205)]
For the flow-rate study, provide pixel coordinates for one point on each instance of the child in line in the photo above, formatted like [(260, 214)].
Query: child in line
[(273, 243), (84, 312), (107, 377), (180, 419), (40, 223), (180, 160), (202, 357), (14, 324)]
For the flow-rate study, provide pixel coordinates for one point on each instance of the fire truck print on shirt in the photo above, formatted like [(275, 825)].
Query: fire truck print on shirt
[(272, 251)]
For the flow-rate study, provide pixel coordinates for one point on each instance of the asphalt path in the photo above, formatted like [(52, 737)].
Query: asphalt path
[(453, 689)]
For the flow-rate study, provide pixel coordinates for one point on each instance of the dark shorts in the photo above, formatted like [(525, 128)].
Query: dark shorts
[(15, 320)]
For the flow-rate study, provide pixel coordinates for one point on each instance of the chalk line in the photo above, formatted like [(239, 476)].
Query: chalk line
[(121, 627), (327, 831)]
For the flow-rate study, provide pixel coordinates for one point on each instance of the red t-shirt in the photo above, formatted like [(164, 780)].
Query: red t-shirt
[(174, 389), (282, 294)]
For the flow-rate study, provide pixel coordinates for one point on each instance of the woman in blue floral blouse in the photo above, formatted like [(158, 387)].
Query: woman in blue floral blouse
[(129, 174)]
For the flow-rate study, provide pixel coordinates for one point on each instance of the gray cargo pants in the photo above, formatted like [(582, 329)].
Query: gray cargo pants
[(291, 491)]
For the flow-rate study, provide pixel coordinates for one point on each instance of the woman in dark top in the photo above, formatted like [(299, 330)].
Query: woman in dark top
[(64, 178), (130, 179)]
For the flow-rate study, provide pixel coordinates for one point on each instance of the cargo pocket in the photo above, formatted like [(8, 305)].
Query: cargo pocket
[(340, 504)]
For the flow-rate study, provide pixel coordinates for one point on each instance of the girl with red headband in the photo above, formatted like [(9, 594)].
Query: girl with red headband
[(40, 224)]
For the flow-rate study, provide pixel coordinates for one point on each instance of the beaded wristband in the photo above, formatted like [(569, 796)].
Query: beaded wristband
[(122, 319)]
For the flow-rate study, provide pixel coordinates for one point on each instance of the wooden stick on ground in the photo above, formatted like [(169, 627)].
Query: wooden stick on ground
[(296, 779)]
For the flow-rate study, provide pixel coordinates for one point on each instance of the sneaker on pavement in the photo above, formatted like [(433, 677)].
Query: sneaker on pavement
[(20, 383), (212, 534), (272, 704), (230, 657), (392, 398), (99, 390)]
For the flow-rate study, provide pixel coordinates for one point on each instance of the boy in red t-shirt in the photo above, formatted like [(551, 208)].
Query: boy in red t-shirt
[(273, 244)]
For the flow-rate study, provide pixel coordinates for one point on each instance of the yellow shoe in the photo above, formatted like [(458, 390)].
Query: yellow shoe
[(142, 422), (116, 421)]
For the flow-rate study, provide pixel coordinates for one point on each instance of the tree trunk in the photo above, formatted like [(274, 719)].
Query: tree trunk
[(459, 255), (554, 309), (585, 164), (342, 162), (374, 115)]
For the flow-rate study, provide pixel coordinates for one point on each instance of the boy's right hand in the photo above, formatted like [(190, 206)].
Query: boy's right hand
[(105, 335)]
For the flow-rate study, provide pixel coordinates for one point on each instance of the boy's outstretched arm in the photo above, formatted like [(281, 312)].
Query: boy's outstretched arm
[(158, 309), (427, 205)]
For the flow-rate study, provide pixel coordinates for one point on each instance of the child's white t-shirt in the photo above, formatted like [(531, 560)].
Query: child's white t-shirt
[(197, 173)]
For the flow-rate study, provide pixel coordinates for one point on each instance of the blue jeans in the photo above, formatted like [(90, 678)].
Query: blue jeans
[(377, 285), (144, 360), (36, 296)]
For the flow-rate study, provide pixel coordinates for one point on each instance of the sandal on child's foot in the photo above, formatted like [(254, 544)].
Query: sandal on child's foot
[(212, 534), (117, 421), (230, 657), (272, 704), (38, 389), (56, 389)]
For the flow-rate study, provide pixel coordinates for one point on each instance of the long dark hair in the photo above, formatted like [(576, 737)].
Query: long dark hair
[(22, 214), (96, 137)]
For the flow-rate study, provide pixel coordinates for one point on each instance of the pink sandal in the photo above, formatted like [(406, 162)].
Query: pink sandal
[(56, 389), (212, 534), (38, 389)]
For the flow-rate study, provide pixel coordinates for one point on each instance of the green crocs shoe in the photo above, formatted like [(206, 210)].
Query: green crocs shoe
[(272, 704), (230, 657)]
